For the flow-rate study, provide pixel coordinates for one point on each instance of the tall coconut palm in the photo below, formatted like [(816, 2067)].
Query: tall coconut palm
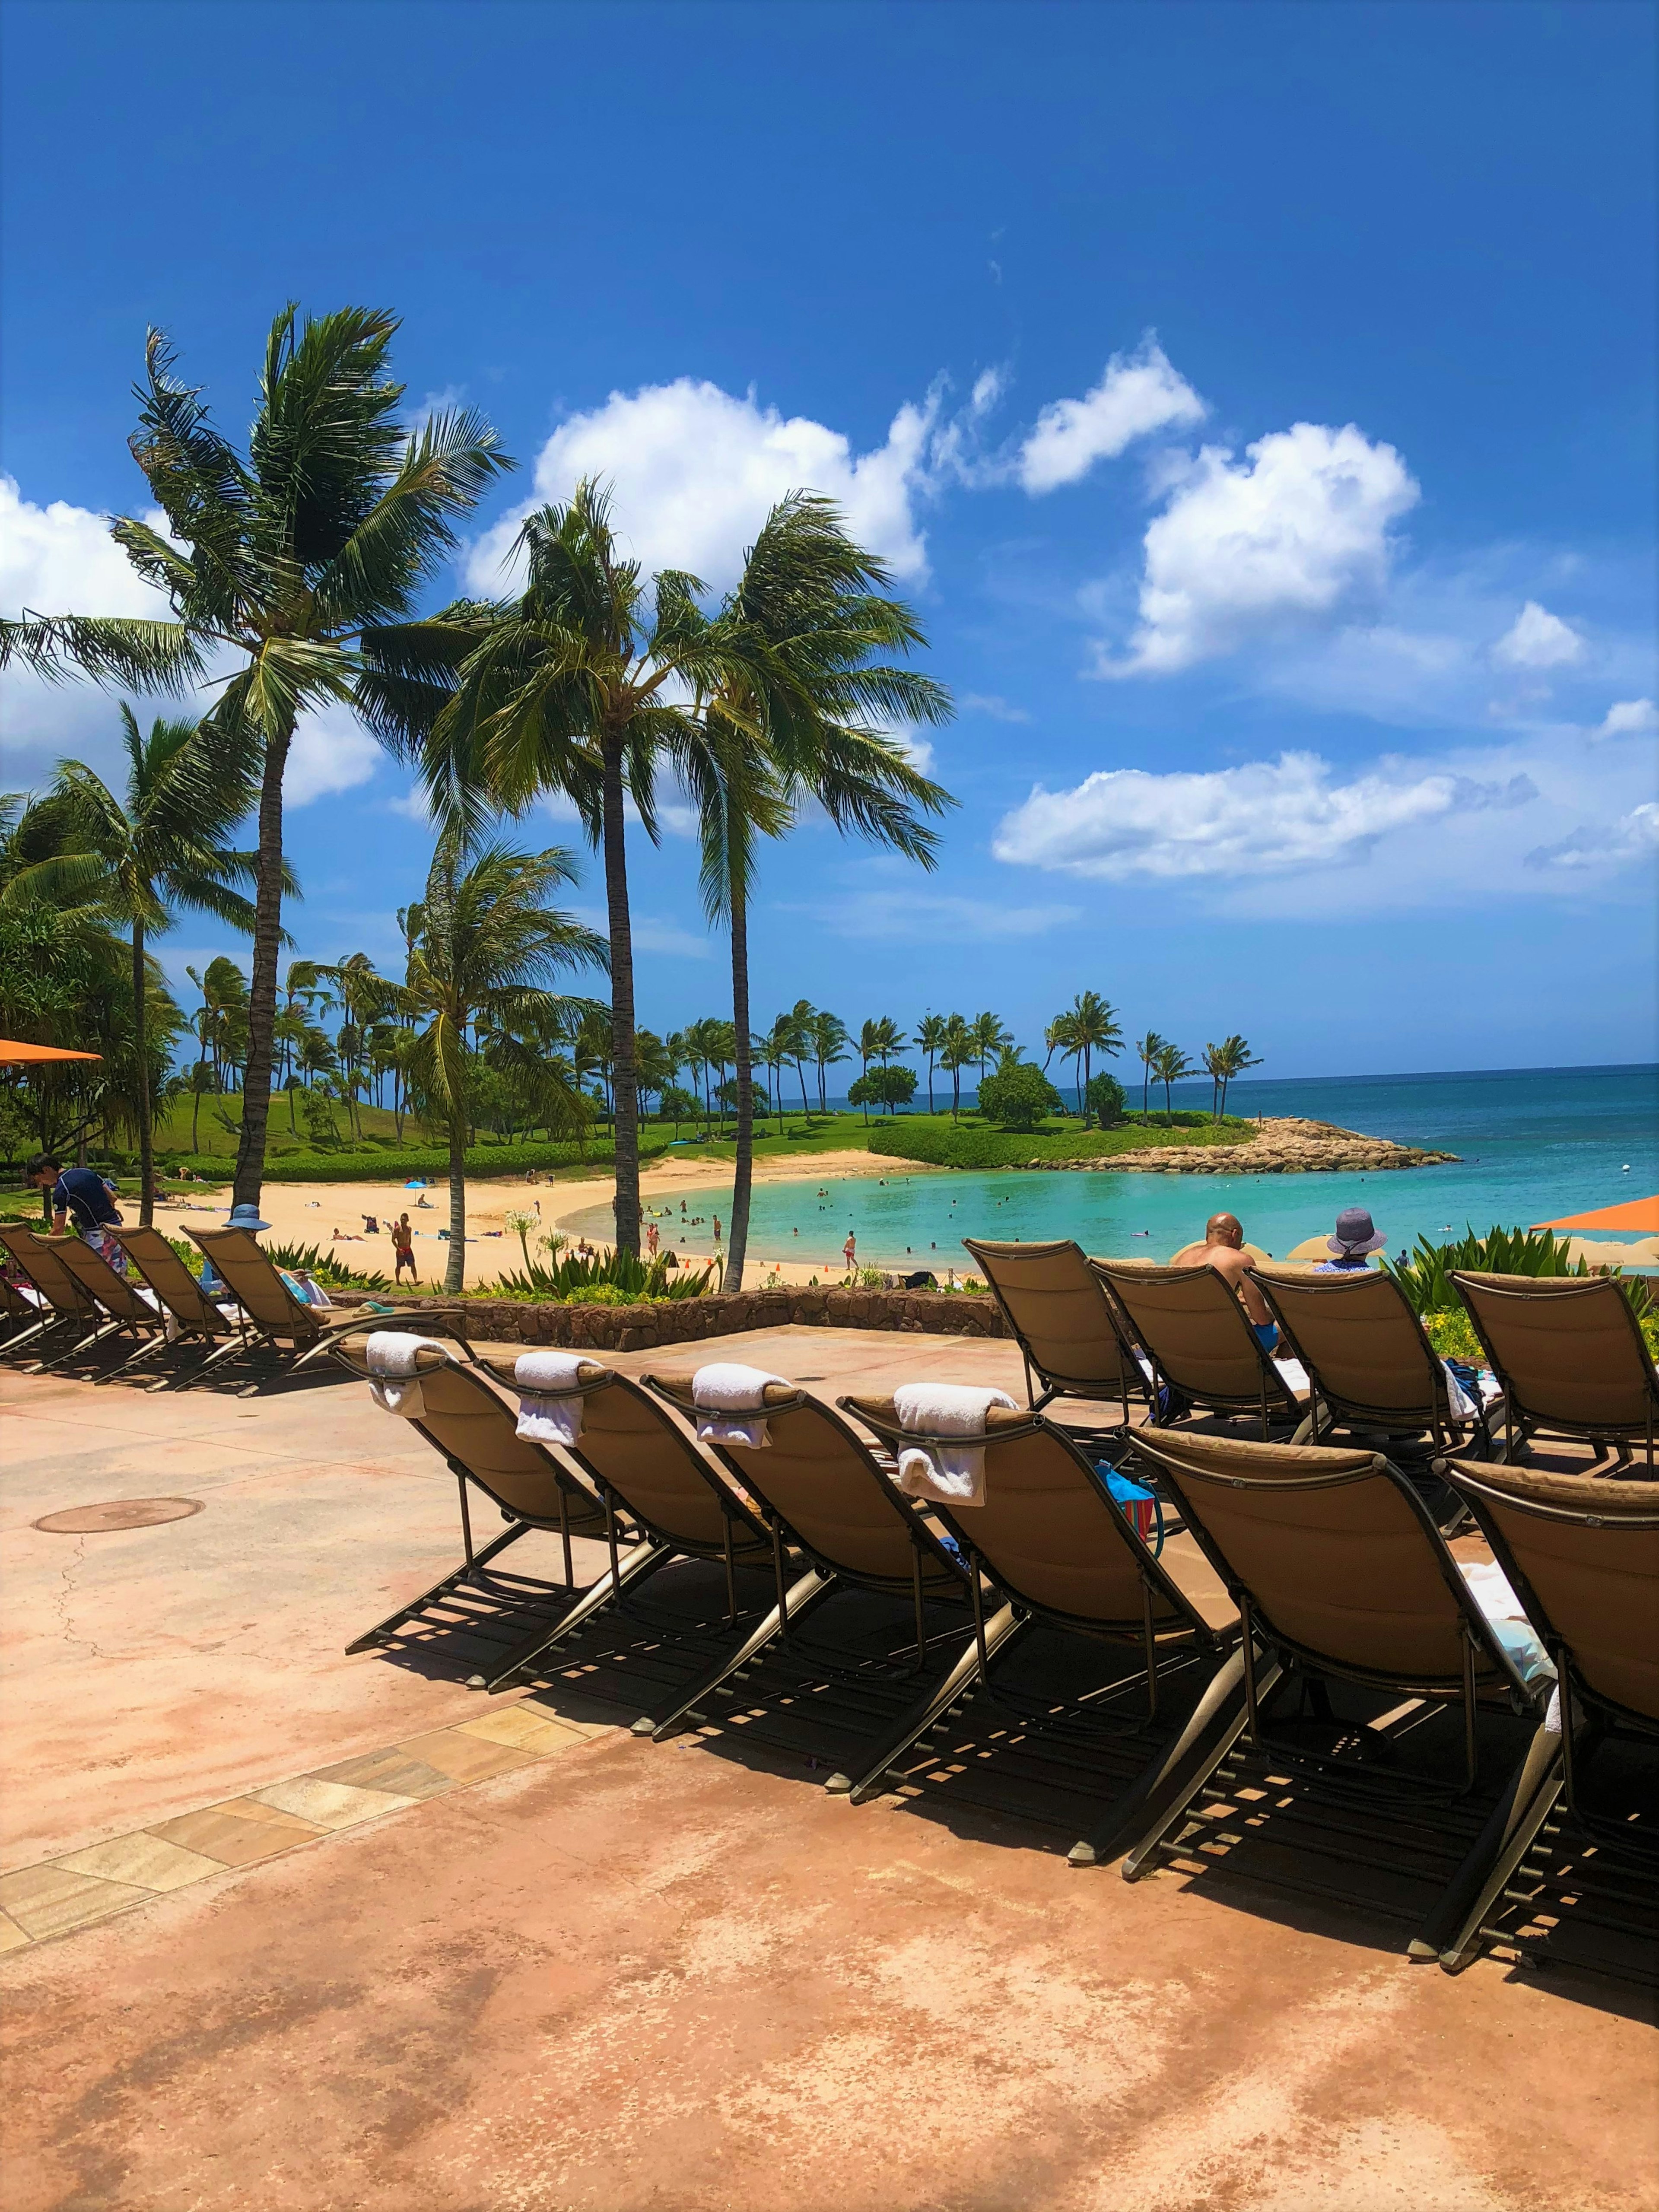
[(485, 947), (1170, 1066), (287, 563), (1094, 1029), (163, 845), (829, 1042), (989, 1035), (797, 714), (1147, 1051), (1235, 1058), (930, 1039), (959, 1051)]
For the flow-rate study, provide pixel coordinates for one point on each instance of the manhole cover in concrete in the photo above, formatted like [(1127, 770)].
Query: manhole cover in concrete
[(119, 1513)]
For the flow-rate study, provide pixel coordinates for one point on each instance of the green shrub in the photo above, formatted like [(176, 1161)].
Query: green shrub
[(330, 1273), (1105, 1099), (608, 1277), (942, 1144), (1424, 1274), (1018, 1097), (400, 1162)]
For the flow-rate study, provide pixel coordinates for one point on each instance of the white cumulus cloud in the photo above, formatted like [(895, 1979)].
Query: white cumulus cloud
[(1538, 639), (1601, 848), (1138, 394), (1628, 718), (1297, 531), (1270, 817), (694, 471)]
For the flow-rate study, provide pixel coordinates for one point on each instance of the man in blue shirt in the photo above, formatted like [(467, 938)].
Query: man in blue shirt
[(80, 1192)]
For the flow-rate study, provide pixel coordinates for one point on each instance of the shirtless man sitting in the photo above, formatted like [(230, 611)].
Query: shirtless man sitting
[(1222, 1249)]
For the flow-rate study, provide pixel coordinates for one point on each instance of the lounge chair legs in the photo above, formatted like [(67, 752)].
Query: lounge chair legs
[(451, 1581), (1151, 1807), (80, 1344), (157, 1343), (1452, 1931), (632, 1567), (1002, 1630), (801, 1598)]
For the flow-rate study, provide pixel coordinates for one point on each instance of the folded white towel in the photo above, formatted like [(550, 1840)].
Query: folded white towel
[(1457, 1398), (393, 1384), (954, 1474), (548, 1412), (731, 1396), (1292, 1374)]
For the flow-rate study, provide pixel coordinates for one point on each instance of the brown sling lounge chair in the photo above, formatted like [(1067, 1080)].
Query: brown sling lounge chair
[(1569, 1355), (1063, 1323), (821, 1489), (25, 1320), (472, 1428), (196, 1317), (647, 1471), (138, 1315), (1370, 1362), (1338, 1570), (71, 1306), (1583, 1560), (276, 1317), (1195, 1332), (1052, 1539)]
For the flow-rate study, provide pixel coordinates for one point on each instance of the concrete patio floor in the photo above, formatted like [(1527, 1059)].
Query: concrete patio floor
[(498, 1953)]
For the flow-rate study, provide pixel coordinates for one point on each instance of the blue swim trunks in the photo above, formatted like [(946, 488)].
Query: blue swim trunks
[(1266, 1334)]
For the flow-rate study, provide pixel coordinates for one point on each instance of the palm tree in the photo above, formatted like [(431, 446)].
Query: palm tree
[(930, 1039), (771, 1048), (299, 561), (1094, 1028), (1147, 1051), (1170, 1066), (959, 1051), (793, 716), (829, 1042), (163, 844), (1214, 1058), (1236, 1057), (989, 1036), (485, 947), (362, 994)]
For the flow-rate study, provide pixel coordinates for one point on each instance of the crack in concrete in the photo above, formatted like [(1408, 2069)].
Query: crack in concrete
[(61, 1601)]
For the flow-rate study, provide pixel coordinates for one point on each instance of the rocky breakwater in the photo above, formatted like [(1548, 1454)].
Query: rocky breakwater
[(1282, 1145)]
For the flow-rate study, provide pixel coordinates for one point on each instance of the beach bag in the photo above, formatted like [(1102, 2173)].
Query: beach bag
[(1140, 1508)]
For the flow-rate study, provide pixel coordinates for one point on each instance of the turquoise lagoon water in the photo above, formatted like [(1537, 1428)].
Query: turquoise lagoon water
[(1533, 1144)]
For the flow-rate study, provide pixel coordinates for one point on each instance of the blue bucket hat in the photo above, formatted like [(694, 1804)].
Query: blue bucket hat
[(245, 1217)]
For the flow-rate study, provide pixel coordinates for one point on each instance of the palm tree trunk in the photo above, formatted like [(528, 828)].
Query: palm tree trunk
[(736, 1243), (930, 1083), (262, 992), (455, 1268), (1082, 1111), (626, 1104), (146, 1127)]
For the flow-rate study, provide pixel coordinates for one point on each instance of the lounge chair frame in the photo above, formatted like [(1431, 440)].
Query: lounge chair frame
[(138, 1315), (1521, 1422), (1163, 1649), (1088, 1389), (1548, 1784), (1272, 1395), (32, 1321), (272, 1312), (1213, 1732), (196, 1317), (72, 1304)]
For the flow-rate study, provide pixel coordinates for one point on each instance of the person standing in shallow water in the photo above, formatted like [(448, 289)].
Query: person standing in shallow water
[(1222, 1249), (849, 1250)]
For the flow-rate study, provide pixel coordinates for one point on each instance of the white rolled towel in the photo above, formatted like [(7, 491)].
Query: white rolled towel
[(548, 1412), (1489, 1586), (730, 1396), (394, 1384), (1458, 1401), (955, 1475)]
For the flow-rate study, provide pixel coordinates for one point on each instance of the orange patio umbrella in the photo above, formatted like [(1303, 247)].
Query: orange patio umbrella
[(1638, 1217), (14, 1054)]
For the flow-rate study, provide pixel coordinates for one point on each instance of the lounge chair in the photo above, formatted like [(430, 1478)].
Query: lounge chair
[(1063, 1323), (27, 1315), (1193, 1330), (1338, 1571), (821, 1489), (1051, 1538), (127, 1308), (1368, 1358), (275, 1317), (1569, 1353), (1585, 1561), (197, 1318), (472, 1428), (71, 1307), (647, 1471)]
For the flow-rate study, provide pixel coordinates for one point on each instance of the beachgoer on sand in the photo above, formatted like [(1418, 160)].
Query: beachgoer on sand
[(1222, 1249), (402, 1250)]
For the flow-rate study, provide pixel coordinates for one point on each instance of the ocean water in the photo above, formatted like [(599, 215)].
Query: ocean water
[(1533, 1144)]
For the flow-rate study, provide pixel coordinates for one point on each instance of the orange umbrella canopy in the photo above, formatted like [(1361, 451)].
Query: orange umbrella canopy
[(1640, 1217), (13, 1054)]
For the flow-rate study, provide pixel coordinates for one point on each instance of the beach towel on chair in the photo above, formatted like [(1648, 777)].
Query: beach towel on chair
[(394, 1383), (953, 1473), (549, 1412), (729, 1398)]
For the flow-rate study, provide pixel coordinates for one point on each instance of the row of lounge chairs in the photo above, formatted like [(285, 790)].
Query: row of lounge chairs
[(1566, 1352), (80, 1300), (1300, 1566)]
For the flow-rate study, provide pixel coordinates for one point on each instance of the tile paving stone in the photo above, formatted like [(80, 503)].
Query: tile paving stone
[(524, 1731), (147, 1861), (237, 1833), (465, 1758), (393, 1769), (45, 1900), (11, 1936), (330, 1804)]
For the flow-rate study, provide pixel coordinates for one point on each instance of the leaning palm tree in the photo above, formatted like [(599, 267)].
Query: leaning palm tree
[(930, 1039), (1235, 1058), (485, 946), (163, 844), (288, 561), (795, 715), (1147, 1051)]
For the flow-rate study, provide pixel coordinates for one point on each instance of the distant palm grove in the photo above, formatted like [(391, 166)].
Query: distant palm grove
[(294, 573)]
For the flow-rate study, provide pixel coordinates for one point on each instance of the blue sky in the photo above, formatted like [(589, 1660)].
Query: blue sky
[(1257, 403)]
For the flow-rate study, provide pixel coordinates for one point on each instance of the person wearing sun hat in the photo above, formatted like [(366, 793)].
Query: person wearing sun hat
[(1355, 1240), (241, 1216)]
